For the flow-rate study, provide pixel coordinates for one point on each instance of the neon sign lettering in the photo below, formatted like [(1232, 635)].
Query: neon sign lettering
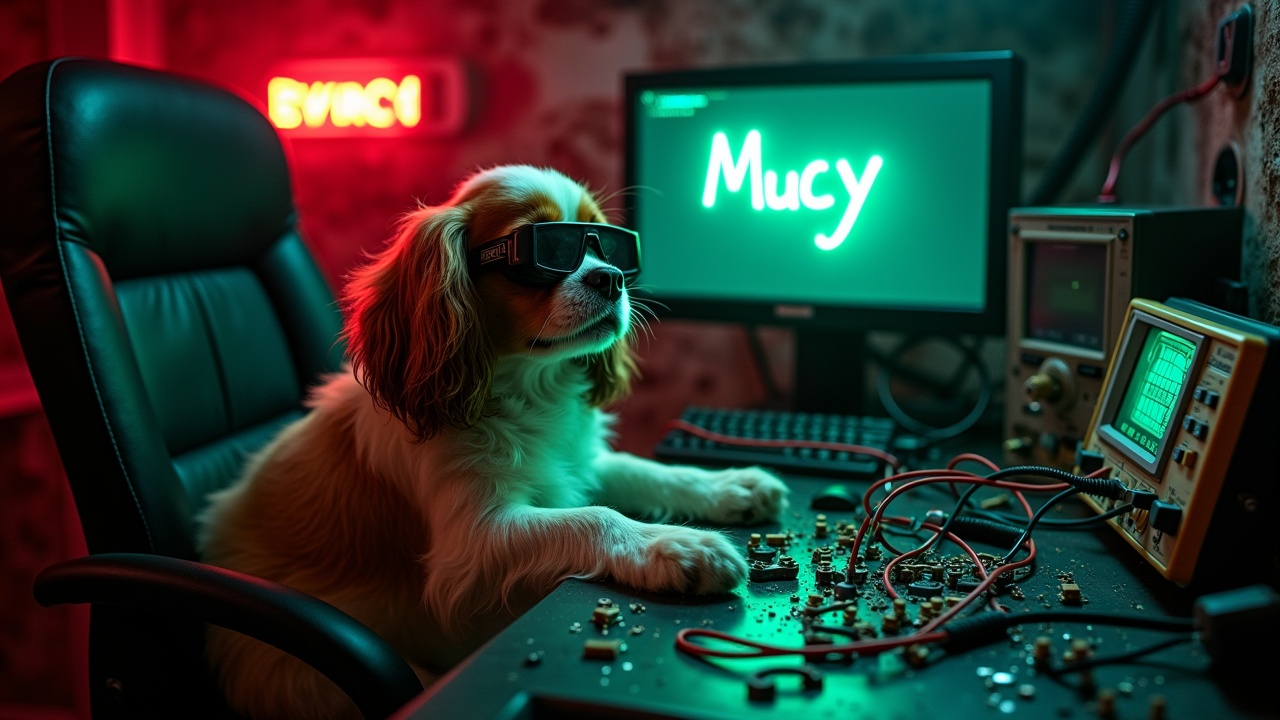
[(380, 104), (369, 97), (797, 190)]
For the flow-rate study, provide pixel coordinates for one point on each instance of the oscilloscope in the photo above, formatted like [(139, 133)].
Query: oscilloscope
[(1072, 273), (1188, 412)]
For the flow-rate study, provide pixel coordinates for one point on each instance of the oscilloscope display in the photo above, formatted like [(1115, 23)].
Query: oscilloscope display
[(1158, 378)]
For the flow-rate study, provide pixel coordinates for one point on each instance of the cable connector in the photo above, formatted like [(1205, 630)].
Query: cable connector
[(1139, 499), (1109, 488), (1233, 49)]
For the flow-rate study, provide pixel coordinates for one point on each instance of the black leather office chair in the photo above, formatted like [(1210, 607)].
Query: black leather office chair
[(172, 319)]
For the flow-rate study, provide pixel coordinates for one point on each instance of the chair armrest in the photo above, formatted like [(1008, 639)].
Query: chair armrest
[(359, 661)]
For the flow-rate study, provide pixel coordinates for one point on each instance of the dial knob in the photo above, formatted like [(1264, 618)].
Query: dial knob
[(1043, 388)]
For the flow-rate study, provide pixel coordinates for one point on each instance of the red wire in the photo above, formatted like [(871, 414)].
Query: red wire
[(961, 475), (1195, 92), (982, 573), (889, 566), (969, 457), (930, 632), (972, 457), (982, 588), (692, 429), (874, 519), (927, 634), (987, 580)]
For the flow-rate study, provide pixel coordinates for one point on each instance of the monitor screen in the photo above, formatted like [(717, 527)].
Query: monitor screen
[(868, 195), (1066, 285), (1141, 410)]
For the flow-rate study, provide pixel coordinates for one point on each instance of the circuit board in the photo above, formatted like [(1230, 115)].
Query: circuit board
[(566, 658)]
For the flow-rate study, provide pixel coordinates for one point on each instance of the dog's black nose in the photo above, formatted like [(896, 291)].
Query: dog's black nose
[(606, 280)]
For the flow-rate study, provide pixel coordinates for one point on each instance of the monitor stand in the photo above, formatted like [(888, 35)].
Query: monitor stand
[(830, 371)]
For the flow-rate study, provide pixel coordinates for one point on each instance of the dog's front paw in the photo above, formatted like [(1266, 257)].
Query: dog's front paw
[(684, 560), (745, 495)]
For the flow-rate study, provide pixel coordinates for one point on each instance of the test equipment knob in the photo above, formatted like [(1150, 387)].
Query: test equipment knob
[(1043, 388), (1053, 384)]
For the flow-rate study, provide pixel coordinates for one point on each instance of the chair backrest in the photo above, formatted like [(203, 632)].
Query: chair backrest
[(169, 311)]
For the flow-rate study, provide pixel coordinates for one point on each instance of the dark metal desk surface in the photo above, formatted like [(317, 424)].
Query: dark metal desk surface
[(651, 679)]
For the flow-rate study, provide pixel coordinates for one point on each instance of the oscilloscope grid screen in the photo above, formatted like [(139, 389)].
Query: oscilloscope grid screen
[(1150, 385)]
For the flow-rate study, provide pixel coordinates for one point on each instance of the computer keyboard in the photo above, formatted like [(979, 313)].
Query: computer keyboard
[(685, 447)]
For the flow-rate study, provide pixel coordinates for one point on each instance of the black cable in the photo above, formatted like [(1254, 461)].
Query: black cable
[(987, 531), (1031, 524), (888, 366), (963, 500), (1124, 657), (1131, 30), (1040, 471), (1083, 523), (955, 513), (1103, 487), (979, 630), (942, 533)]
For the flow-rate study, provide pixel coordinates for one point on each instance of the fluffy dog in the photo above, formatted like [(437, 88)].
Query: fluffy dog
[(460, 469)]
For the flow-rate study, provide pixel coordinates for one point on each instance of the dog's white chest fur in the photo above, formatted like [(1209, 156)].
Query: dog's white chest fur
[(537, 449)]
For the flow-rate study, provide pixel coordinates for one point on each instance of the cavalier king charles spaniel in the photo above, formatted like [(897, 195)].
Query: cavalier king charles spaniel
[(460, 468)]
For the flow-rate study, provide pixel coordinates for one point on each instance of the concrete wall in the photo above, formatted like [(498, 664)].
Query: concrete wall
[(1253, 122)]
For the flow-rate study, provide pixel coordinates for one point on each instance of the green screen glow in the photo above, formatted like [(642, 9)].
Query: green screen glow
[(871, 194), (1159, 375), (797, 191)]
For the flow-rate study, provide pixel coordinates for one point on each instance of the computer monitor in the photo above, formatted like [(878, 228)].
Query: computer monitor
[(833, 198)]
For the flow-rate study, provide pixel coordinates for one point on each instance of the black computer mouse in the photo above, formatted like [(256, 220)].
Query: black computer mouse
[(835, 497)]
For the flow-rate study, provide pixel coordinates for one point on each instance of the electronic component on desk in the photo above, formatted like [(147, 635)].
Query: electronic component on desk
[(683, 447), (760, 685), (785, 569), (1072, 273), (594, 649), (1189, 411)]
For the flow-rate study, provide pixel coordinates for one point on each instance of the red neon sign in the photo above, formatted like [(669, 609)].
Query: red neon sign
[(368, 98)]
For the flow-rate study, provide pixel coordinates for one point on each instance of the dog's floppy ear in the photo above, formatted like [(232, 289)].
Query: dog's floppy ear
[(611, 372), (414, 333)]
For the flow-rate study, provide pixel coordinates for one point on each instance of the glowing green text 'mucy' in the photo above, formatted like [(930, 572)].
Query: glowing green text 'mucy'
[(797, 187)]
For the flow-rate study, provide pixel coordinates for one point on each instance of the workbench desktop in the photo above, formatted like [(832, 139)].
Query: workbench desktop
[(1085, 629)]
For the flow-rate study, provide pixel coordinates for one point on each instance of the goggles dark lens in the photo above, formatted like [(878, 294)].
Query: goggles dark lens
[(621, 249), (558, 247), (545, 253)]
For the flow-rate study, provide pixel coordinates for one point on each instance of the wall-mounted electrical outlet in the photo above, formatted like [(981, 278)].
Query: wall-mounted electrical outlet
[(1233, 52)]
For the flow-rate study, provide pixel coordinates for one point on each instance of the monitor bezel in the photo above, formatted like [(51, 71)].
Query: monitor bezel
[(1003, 70), (1121, 376)]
